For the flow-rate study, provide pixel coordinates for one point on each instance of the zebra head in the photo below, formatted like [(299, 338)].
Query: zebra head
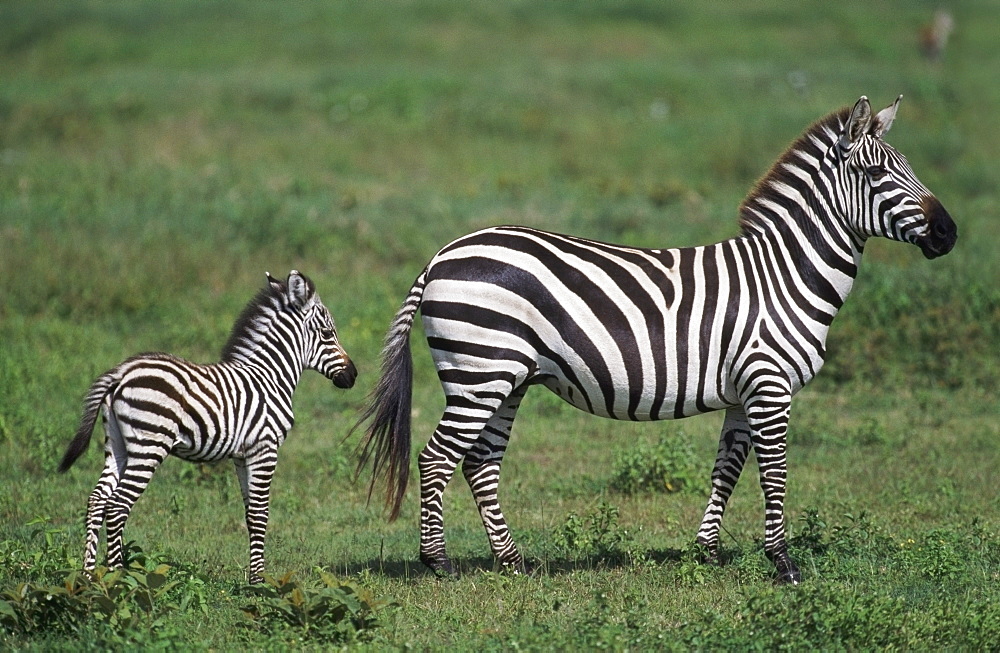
[(320, 345), (880, 195)]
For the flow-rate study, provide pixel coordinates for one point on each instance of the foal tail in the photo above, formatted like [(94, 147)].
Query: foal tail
[(104, 385), (387, 438)]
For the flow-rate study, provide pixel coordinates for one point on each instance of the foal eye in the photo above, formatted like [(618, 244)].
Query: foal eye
[(875, 172)]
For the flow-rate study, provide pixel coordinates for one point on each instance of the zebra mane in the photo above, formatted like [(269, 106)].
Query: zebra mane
[(260, 309), (822, 134)]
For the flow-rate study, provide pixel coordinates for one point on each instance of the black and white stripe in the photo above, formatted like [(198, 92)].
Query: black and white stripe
[(648, 334), (240, 408)]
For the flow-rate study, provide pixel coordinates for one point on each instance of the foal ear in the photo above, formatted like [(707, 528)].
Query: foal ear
[(300, 289), (883, 119), (858, 124)]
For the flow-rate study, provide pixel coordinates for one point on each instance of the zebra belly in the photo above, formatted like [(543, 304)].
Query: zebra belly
[(660, 407), (472, 359), (619, 332)]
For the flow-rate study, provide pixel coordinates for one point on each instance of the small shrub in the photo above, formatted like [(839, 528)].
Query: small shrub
[(670, 465), (939, 554), (332, 611), (812, 533), (597, 534), (124, 606)]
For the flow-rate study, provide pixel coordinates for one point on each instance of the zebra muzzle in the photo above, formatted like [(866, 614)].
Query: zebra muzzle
[(345, 378), (942, 233)]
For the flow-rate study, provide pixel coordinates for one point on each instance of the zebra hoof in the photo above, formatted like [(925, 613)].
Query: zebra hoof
[(521, 568), (788, 574), (442, 567), (708, 555)]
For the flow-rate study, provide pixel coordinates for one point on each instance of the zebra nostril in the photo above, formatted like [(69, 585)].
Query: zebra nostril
[(941, 228)]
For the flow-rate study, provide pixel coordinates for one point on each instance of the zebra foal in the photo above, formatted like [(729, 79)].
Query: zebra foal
[(241, 408), (649, 334)]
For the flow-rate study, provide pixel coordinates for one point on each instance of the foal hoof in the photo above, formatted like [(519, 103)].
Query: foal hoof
[(521, 568), (441, 567), (707, 555), (788, 575)]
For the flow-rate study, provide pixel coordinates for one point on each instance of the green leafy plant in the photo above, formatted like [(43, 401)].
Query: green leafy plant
[(940, 554), (670, 465), (123, 601), (597, 534), (332, 611), (43, 559)]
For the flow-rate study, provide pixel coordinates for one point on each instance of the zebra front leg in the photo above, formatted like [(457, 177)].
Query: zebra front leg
[(255, 475), (768, 418), (734, 446)]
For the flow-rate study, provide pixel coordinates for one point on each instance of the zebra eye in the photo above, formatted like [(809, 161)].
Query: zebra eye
[(875, 172), (326, 333)]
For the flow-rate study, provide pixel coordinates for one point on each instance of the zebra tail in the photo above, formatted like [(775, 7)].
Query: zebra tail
[(387, 438), (105, 384)]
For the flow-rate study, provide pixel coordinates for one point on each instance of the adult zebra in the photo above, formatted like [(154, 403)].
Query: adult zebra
[(240, 408), (647, 334)]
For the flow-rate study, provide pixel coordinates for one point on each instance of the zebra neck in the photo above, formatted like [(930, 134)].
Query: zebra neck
[(269, 357), (807, 243)]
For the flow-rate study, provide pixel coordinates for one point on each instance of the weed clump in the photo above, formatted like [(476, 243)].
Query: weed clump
[(331, 611), (118, 608), (670, 465), (598, 534)]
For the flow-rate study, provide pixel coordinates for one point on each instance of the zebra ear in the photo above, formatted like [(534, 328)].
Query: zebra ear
[(883, 119), (300, 289), (858, 124)]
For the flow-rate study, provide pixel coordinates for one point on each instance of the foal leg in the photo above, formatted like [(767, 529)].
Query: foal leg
[(114, 462), (481, 469), (145, 452), (255, 473), (734, 446)]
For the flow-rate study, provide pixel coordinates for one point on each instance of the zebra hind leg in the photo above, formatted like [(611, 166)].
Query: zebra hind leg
[(137, 471), (96, 507), (114, 463), (481, 469), (734, 447), (463, 421)]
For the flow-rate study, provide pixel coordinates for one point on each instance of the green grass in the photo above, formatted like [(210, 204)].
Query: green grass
[(157, 158)]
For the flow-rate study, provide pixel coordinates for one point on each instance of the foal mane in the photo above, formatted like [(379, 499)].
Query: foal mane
[(267, 300)]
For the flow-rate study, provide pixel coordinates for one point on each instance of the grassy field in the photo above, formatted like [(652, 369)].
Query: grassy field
[(156, 158)]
